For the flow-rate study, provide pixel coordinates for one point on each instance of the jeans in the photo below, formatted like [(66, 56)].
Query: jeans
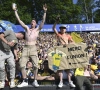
[(7, 55), (80, 81)]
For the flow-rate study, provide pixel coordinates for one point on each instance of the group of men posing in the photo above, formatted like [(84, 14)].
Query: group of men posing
[(9, 40)]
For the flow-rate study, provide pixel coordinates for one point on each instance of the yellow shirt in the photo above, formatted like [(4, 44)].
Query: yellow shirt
[(79, 71), (94, 66)]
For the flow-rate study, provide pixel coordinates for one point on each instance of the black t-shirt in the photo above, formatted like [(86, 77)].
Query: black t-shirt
[(43, 73)]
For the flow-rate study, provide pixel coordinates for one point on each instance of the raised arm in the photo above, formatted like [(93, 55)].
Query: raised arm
[(44, 17), (54, 26), (18, 18)]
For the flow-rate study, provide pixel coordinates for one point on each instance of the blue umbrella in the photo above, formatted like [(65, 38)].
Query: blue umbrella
[(7, 25)]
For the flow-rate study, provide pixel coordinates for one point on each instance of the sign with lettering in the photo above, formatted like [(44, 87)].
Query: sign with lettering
[(70, 27), (71, 56)]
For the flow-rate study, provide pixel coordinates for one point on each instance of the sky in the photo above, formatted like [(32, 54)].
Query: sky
[(75, 1)]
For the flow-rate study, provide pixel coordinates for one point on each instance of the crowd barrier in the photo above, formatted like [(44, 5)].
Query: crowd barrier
[(51, 85)]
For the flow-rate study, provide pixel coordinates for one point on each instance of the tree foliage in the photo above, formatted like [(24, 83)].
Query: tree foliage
[(82, 12)]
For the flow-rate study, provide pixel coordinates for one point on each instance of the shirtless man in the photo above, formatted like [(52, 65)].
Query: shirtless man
[(64, 39), (30, 48)]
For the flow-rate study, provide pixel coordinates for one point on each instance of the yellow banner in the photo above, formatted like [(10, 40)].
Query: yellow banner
[(71, 56)]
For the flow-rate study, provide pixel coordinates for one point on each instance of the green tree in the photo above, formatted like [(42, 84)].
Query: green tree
[(97, 12), (87, 7), (97, 16), (66, 9), (69, 12), (29, 9), (8, 14)]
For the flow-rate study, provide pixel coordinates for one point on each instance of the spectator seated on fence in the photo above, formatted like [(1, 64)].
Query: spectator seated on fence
[(29, 70), (45, 73), (81, 79), (86, 71), (29, 73)]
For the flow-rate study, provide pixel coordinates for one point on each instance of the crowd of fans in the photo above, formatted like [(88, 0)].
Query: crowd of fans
[(47, 40)]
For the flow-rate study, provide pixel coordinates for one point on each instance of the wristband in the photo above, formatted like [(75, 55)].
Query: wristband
[(15, 10), (44, 11)]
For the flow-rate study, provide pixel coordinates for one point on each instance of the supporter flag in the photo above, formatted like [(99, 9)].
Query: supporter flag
[(76, 37)]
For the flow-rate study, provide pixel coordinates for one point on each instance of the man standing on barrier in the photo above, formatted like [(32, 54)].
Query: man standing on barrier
[(64, 39), (30, 48), (8, 40)]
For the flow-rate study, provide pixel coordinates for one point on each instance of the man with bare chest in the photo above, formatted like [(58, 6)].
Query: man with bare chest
[(64, 39), (30, 49)]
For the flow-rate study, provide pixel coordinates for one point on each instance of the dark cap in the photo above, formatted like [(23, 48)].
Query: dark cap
[(62, 26)]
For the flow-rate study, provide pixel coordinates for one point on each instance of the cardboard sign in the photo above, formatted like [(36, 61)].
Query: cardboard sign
[(69, 57)]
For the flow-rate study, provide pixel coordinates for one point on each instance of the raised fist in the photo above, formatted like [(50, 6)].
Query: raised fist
[(45, 7), (58, 18)]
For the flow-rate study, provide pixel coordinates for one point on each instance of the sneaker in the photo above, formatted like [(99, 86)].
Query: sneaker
[(2, 84), (12, 84), (35, 83), (23, 84), (60, 85), (72, 84)]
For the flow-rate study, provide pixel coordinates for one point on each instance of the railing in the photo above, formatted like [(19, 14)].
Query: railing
[(52, 85)]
